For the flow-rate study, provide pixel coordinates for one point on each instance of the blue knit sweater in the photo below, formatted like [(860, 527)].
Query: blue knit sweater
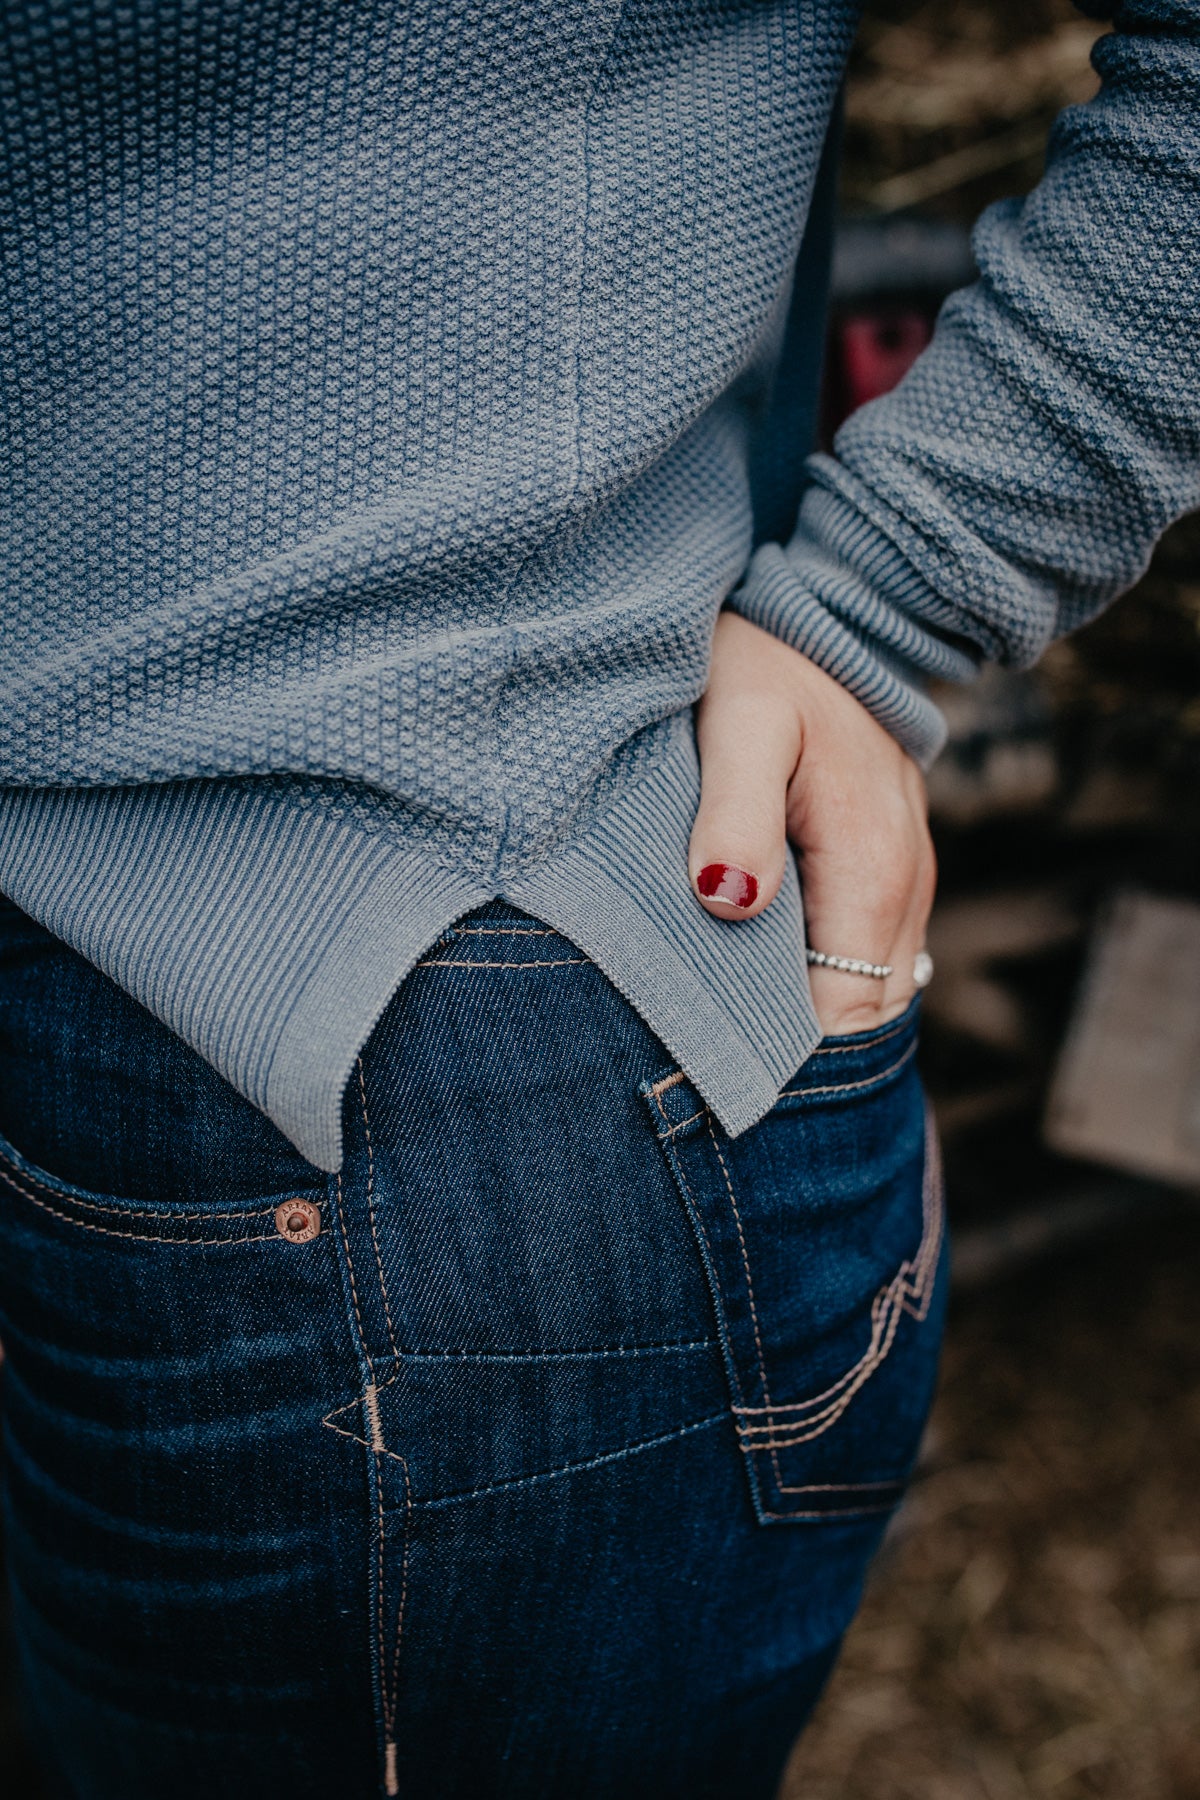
[(392, 396)]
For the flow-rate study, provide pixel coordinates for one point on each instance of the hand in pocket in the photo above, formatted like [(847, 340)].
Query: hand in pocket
[(788, 755)]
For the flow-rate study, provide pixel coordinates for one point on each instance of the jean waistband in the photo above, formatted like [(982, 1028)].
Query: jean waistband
[(501, 935)]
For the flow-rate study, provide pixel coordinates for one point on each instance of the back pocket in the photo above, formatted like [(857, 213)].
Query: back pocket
[(822, 1234)]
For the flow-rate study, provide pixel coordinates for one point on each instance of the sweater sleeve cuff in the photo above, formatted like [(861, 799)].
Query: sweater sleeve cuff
[(843, 594)]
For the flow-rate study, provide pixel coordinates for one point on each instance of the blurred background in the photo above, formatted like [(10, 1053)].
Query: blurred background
[(1033, 1626)]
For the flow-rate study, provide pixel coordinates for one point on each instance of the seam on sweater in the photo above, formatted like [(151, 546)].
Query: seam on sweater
[(602, 63)]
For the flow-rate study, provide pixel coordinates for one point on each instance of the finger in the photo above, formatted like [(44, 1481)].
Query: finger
[(867, 873), (748, 742), (845, 1001)]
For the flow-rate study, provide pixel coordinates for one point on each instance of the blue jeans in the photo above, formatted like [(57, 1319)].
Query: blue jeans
[(540, 1453)]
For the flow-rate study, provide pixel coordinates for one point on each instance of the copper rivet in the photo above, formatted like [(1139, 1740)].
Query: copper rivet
[(298, 1221)]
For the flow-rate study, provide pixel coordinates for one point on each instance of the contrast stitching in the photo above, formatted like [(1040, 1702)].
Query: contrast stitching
[(362, 1334), (762, 1361), (388, 1680), (140, 1237), (762, 1364), (387, 1311), (668, 1081), (376, 1445), (850, 1087), (370, 1399), (913, 1297), (517, 1480), (503, 931), (341, 1429), (441, 962), (909, 1291), (392, 1783), (537, 1356), (849, 1049), (17, 1178), (832, 1512), (700, 1227), (778, 1434), (591, 1462), (844, 1487), (690, 1120)]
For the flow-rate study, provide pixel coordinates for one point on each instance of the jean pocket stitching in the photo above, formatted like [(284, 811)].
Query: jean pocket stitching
[(910, 1291), (383, 1287), (831, 1512), (28, 1186), (142, 1237), (697, 1214), (579, 1465), (865, 1042), (737, 1217), (853, 1087), (679, 1125), (445, 962)]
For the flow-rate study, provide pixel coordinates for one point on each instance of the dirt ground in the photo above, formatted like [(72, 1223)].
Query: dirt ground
[(1032, 1631)]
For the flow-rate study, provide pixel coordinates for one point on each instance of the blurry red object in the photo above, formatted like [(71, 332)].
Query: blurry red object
[(875, 348)]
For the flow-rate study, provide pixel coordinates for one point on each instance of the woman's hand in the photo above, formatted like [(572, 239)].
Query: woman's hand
[(786, 753)]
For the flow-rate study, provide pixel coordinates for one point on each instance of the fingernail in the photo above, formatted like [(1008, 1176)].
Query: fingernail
[(721, 881)]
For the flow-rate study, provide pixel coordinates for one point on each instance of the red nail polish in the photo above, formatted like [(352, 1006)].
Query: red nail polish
[(721, 881)]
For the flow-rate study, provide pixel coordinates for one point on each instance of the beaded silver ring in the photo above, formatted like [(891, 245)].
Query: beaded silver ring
[(922, 972)]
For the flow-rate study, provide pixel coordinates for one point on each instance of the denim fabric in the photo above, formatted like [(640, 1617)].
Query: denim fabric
[(549, 1466)]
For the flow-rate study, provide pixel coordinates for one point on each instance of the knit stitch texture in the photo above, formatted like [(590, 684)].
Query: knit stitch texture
[(392, 397)]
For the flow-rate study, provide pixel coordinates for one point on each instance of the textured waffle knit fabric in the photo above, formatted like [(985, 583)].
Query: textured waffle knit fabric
[(394, 393)]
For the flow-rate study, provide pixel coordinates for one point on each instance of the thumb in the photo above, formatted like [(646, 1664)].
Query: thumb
[(749, 743)]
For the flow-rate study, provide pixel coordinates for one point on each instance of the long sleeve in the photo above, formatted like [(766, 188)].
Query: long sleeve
[(1018, 478)]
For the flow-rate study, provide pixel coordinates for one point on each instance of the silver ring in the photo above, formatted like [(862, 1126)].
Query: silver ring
[(922, 971), (849, 965)]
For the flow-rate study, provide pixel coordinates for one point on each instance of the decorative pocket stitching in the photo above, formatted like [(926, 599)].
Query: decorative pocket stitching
[(909, 1291)]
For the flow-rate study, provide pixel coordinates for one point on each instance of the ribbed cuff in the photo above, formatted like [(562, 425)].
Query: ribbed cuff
[(843, 594)]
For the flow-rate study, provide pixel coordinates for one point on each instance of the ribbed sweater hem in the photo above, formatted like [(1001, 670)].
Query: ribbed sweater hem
[(270, 935)]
